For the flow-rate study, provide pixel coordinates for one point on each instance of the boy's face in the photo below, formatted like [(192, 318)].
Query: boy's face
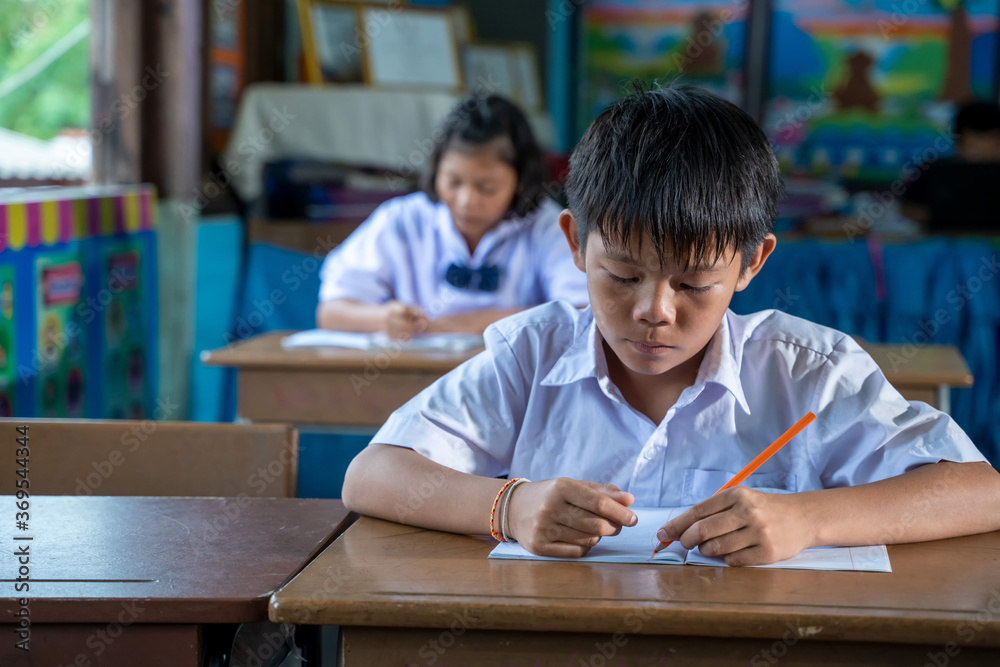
[(657, 318)]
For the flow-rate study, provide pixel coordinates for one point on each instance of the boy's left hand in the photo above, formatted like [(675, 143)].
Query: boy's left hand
[(743, 526)]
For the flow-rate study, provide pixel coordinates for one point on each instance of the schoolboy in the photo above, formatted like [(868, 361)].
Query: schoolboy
[(657, 394)]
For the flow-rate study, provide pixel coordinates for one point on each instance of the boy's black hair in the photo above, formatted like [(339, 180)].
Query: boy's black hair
[(478, 120), (978, 117), (689, 168)]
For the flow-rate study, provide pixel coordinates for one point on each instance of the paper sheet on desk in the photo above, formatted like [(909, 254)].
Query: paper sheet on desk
[(380, 341), (635, 545)]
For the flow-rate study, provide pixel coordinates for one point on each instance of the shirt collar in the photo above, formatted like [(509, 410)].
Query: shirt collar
[(584, 358), (579, 361), (724, 358), (507, 227)]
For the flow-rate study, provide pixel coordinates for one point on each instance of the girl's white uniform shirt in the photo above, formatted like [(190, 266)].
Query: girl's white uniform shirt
[(538, 403), (404, 249)]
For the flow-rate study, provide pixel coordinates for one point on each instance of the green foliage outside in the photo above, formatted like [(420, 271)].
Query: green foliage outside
[(57, 97)]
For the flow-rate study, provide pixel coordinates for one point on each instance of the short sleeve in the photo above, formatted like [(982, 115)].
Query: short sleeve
[(469, 419), (866, 431), (362, 267), (559, 277)]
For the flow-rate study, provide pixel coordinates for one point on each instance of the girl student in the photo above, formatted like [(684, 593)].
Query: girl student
[(478, 243)]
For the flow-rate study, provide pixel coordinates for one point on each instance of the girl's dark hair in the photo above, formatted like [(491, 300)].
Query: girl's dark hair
[(689, 169), (478, 120)]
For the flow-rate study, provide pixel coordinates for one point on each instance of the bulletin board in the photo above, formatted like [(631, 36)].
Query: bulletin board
[(861, 90), (704, 42), (60, 338), (78, 303)]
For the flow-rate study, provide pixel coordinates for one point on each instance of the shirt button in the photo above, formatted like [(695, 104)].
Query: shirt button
[(648, 455)]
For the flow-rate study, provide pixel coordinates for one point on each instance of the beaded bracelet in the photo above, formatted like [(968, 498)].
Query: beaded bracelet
[(493, 531), (503, 513)]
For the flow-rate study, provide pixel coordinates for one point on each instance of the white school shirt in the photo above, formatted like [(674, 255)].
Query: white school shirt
[(404, 249), (538, 403)]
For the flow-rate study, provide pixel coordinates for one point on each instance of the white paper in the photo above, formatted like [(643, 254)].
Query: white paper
[(635, 545), (631, 545), (380, 341)]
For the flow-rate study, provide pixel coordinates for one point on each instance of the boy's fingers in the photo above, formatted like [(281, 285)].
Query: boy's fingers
[(586, 523), (712, 527), (622, 497), (755, 555), (562, 533), (560, 550), (673, 529), (727, 543), (600, 503), (677, 526), (609, 489)]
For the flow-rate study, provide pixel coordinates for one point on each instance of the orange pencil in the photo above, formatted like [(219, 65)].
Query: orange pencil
[(756, 463)]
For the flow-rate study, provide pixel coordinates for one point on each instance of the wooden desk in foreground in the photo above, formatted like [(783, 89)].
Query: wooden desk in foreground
[(327, 385), (409, 596), (925, 373), (125, 581), (340, 387)]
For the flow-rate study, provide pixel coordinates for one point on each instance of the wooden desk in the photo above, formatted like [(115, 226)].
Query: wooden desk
[(407, 596), (326, 385), (340, 387), (925, 373), (124, 581)]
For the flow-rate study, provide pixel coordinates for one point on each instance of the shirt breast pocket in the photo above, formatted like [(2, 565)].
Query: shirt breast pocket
[(700, 484)]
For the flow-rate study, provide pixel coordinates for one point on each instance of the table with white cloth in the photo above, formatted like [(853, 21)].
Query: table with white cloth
[(350, 125)]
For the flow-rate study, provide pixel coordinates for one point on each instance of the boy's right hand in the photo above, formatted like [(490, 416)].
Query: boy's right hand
[(402, 321), (564, 518)]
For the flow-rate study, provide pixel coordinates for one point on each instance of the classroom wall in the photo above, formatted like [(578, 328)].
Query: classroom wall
[(218, 246)]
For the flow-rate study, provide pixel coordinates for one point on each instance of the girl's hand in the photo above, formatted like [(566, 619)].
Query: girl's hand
[(402, 321), (564, 518), (744, 526)]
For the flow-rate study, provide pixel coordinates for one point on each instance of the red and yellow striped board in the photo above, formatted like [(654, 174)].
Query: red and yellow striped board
[(122, 209)]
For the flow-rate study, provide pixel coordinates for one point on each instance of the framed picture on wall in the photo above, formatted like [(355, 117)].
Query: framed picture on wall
[(505, 69), (410, 48), (330, 40), (489, 69)]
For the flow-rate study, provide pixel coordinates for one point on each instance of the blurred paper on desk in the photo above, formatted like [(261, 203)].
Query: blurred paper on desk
[(379, 341)]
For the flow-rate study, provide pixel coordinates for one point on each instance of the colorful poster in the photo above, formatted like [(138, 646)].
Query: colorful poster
[(8, 356), (865, 89), (701, 42), (60, 350), (125, 359)]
